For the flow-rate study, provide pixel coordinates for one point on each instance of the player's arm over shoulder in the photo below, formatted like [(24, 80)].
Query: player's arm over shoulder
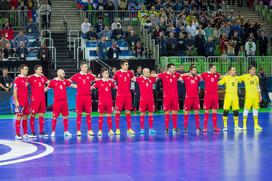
[(223, 80)]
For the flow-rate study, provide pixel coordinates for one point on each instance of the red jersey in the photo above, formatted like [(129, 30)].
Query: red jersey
[(83, 82), (191, 85), (211, 83), (104, 90), (59, 87), (146, 88), (170, 84), (123, 82), (37, 87), (21, 83)]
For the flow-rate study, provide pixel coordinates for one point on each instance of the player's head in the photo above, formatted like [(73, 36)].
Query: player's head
[(146, 72), (105, 73), (193, 70), (124, 65), (171, 68), (38, 69), (139, 69), (252, 70), (83, 67), (212, 68), (232, 70), (23, 69), (60, 73)]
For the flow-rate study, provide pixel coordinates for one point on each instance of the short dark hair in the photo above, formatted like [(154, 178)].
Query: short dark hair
[(192, 67), (37, 66), (123, 62), (170, 65), (83, 63), (250, 67), (211, 65), (22, 66), (103, 70), (230, 67)]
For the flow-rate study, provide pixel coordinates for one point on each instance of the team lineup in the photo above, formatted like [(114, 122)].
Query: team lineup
[(84, 82)]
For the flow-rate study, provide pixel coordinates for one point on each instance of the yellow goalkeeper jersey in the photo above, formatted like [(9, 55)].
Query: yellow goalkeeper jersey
[(231, 84), (251, 85)]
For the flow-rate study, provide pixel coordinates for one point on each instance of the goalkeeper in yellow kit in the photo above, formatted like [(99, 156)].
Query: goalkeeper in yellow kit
[(253, 96), (231, 97)]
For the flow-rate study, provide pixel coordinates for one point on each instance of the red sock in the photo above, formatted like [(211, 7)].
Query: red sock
[(175, 120), (32, 124), (166, 117), (89, 122), (128, 118), (117, 120), (186, 118), (78, 121), (100, 122), (17, 127), (41, 123), (65, 124), (54, 124), (142, 122), (109, 122), (150, 120), (206, 119), (197, 121), (25, 126), (214, 119)]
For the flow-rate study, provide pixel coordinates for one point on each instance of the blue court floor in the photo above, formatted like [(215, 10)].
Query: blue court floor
[(213, 156)]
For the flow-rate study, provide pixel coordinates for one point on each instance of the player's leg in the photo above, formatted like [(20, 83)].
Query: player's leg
[(215, 107), (235, 108), (206, 106), (17, 126), (128, 107), (34, 109), (196, 107), (256, 106), (79, 110), (25, 116), (166, 108), (143, 108), (65, 114), (151, 109), (175, 108), (100, 123), (109, 120), (226, 107), (187, 108), (87, 106), (119, 104), (41, 111), (247, 107), (56, 113)]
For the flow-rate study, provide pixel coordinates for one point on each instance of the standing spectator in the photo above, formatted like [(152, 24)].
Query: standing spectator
[(91, 35), (122, 4), (171, 44), (22, 14), (132, 40), (139, 51), (21, 51), (109, 5), (210, 47), (162, 42), (106, 33), (85, 27), (3, 42), (43, 53), (200, 44), (117, 33), (231, 48), (102, 49), (114, 51), (114, 24), (99, 25), (31, 29), (208, 31), (189, 43), (191, 29), (250, 47), (8, 31), (20, 38), (156, 32), (127, 33), (263, 85), (5, 81), (223, 43), (252, 29), (225, 28), (263, 44), (238, 42), (8, 52), (45, 10)]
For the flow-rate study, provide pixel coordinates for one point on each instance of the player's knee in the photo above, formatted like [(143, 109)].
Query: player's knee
[(41, 115), (255, 112), (235, 113), (225, 113)]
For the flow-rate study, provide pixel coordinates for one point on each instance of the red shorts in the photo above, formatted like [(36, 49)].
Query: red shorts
[(170, 104), (123, 102), (191, 103), (83, 103), (105, 108), (38, 107), (147, 106), (24, 103), (210, 103), (60, 107)]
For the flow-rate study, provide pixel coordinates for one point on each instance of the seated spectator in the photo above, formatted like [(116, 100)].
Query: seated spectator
[(156, 32), (171, 44), (200, 43), (250, 48), (20, 38), (223, 43), (45, 11), (114, 24), (251, 30), (191, 29), (43, 53), (139, 51), (113, 51), (102, 49), (21, 51), (85, 27), (5, 81), (127, 33), (99, 25), (237, 40), (3, 42), (231, 47), (117, 33), (189, 43), (122, 4), (132, 40), (109, 5), (162, 42), (210, 47), (225, 28), (100, 5), (106, 33), (91, 35), (8, 31), (180, 48), (8, 52), (31, 29), (263, 44)]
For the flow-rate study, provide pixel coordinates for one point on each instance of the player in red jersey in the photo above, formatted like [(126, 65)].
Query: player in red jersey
[(211, 96), (60, 104), (123, 96), (37, 84), (170, 96), (20, 93), (191, 82), (83, 79), (104, 86), (146, 83)]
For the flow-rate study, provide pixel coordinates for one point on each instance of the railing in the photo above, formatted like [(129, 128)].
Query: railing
[(72, 35)]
